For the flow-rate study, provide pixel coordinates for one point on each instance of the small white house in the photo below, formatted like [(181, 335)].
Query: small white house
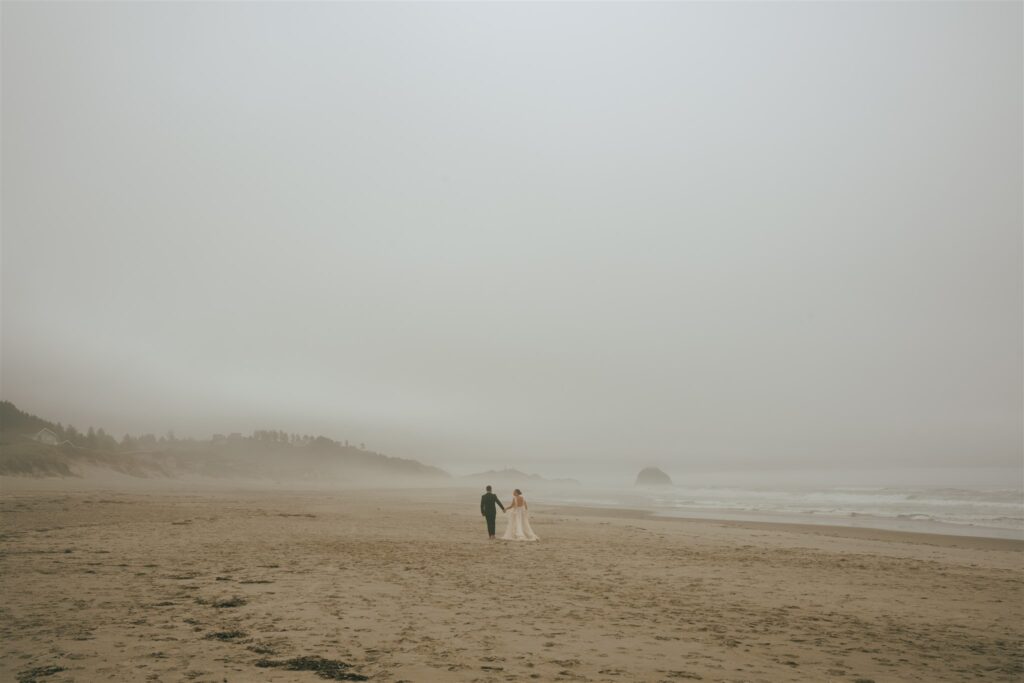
[(46, 436)]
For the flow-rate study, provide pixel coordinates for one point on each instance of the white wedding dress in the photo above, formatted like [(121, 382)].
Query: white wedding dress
[(518, 528)]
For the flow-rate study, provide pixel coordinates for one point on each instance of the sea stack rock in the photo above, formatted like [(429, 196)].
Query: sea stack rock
[(652, 476)]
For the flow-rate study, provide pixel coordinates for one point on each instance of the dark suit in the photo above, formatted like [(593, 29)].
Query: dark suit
[(487, 509)]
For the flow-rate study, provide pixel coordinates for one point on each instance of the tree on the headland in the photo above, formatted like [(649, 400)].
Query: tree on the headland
[(271, 435), (104, 441), (16, 421)]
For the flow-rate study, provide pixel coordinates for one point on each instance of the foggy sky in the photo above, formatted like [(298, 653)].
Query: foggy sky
[(558, 236)]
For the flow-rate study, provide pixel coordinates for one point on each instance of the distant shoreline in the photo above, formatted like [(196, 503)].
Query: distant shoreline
[(976, 541), (949, 512)]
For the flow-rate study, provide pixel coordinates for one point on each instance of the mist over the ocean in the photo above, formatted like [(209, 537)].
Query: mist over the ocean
[(572, 239)]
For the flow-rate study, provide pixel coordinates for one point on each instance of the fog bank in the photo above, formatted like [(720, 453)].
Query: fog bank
[(556, 237)]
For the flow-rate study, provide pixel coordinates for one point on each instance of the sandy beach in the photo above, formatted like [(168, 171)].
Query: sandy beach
[(404, 586)]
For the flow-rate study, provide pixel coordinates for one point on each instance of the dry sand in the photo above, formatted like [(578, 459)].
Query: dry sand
[(405, 586)]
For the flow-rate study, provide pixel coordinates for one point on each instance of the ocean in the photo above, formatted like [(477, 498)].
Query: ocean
[(991, 512)]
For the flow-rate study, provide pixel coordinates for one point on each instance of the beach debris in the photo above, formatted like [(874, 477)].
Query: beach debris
[(33, 675), (221, 603), (331, 669), (262, 649), (225, 635)]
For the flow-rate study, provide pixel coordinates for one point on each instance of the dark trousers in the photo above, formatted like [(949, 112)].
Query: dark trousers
[(490, 523)]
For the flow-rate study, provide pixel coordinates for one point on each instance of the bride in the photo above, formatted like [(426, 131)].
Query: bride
[(518, 528)]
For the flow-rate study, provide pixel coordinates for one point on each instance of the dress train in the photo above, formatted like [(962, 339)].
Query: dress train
[(518, 528)]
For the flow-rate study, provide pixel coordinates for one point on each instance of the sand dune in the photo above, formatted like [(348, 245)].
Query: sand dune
[(398, 586)]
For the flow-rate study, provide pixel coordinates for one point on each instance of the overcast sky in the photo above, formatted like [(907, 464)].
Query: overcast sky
[(554, 236)]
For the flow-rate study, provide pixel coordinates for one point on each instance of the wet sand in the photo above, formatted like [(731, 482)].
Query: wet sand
[(399, 586)]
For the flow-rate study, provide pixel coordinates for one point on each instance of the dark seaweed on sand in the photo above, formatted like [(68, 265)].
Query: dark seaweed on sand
[(221, 603), (32, 675), (330, 669), (225, 635), (262, 649)]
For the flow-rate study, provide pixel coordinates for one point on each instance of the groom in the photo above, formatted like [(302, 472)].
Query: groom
[(487, 503)]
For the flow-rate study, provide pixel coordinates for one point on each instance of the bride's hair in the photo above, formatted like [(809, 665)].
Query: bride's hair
[(518, 492)]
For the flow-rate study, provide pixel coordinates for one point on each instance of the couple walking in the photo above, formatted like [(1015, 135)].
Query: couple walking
[(518, 528)]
